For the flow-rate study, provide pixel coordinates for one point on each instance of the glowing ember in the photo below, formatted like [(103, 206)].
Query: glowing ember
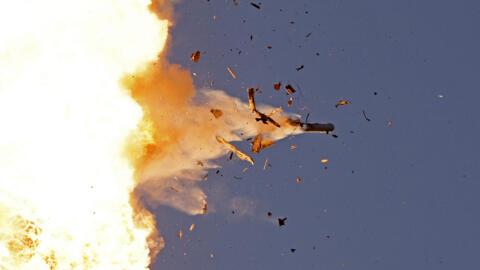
[(65, 184)]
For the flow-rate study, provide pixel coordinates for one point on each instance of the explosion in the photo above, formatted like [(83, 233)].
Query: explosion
[(65, 180), (95, 123)]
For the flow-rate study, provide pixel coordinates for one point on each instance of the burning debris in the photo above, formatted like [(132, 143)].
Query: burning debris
[(342, 102), (231, 72), (237, 152), (217, 113), (277, 86), (290, 102), (195, 56)]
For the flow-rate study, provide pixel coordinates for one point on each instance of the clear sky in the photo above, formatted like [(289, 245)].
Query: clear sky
[(399, 196)]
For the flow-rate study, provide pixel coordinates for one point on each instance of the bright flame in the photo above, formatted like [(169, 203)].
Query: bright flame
[(64, 182)]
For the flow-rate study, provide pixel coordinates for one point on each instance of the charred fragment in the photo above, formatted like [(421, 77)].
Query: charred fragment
[(237, 152), (266, 119), (251, 99), (255, 5), (195, 56), (290, 90), (281, 221), (277, 86), (262, 117)]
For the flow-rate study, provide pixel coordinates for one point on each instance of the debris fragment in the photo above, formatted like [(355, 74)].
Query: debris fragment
[(216, 112), (290, 90), (251, 99), (277, 86), (257, 144), (199, 163), (265, 164), (174, 189), (269, 47), (390, 123), (300, 67), (293, 250), (195, 56), (255, 5), (269, 214), (265, 119), (293, 147), (239, 153), (212, 255), (231, 156), (342, 102), (290, 102), (281, 221), (180, 234), (251, 37), (365, 115), (231, 73), (308, 35), (205, 177), (324, 160), (267, 143), (192, 227), (204, 208), (299, 180)]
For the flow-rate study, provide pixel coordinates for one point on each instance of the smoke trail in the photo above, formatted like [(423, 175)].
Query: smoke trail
[(183, 132)]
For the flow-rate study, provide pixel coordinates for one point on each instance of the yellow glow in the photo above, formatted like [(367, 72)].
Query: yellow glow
[(64, 183)]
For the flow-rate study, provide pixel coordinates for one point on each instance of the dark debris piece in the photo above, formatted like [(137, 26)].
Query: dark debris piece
[(300, 67), (255, 5), (290, 90), (281, 221), (293, 250), (265, 119), (269, 214), (365, 115)]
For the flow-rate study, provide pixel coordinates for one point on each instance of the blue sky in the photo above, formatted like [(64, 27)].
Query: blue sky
[(399, 196)]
